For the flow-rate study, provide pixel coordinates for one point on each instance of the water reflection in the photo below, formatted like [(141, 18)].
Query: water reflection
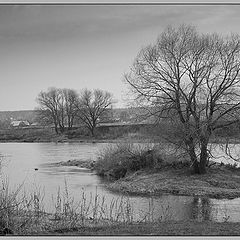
[(201, 209)]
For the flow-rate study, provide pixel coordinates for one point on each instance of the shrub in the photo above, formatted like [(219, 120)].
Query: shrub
[(115, 161)]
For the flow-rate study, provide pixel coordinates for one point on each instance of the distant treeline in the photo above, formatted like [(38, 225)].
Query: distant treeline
[(117, 114)]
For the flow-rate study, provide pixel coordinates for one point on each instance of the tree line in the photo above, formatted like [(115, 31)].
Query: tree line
[(62, 107)]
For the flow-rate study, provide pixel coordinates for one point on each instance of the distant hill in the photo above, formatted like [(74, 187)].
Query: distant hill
[(28, 115), (117, 114)]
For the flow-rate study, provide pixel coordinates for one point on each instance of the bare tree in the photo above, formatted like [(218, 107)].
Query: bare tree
[(49, 106), (191, 78), (92, 106), (43, 116), (61, 110), (58, 106), (71, 99)]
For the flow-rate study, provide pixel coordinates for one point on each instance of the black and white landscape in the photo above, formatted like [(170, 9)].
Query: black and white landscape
[(119, 119)]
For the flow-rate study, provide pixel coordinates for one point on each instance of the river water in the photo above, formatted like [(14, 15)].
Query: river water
[(20, 161)]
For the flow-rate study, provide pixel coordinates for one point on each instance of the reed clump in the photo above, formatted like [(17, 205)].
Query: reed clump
[(24, 213)]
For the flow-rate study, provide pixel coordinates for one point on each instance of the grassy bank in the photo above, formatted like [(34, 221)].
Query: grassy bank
[(219, 182), (150, 170), (28, 135), (185, 228), (137, 133), (103, 134)]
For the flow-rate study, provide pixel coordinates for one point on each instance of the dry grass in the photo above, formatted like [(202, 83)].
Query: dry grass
[(171, 228), (24, 214)]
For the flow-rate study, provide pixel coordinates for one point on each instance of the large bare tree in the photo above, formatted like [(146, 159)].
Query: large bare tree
[(92, 106), (192, 78)]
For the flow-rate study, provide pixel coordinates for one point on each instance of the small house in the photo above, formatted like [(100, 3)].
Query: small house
[(19, 124)]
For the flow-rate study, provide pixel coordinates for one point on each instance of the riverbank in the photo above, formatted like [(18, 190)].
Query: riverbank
[(46, 135), (48, 227), (219, 182), (171, 228), (103, 134), (77, 163)]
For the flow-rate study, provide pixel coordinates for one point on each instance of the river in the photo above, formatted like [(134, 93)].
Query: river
[(30, 164)]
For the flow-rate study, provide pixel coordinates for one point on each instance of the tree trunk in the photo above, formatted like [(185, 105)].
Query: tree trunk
[(55, 123), (93, 127), (195, 163), (203, 157), (93, 131), (70, 123), (61, 126), (193, 157), (196, 167), (62, 129), (56, 129)]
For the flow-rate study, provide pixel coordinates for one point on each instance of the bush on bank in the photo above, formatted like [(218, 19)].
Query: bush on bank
[(116, 161)]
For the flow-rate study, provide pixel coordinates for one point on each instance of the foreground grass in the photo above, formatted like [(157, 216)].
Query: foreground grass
[(185, 228), (219, 182), (94, 216)]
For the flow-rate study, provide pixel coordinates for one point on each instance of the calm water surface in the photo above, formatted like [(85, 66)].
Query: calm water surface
[(21, 159)]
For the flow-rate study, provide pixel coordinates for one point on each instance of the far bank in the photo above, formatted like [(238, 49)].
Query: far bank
[(110, 133)]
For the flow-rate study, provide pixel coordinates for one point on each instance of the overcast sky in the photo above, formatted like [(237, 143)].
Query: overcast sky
[(80, 46)]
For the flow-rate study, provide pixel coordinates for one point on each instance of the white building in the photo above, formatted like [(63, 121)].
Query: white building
[(19, 124)]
